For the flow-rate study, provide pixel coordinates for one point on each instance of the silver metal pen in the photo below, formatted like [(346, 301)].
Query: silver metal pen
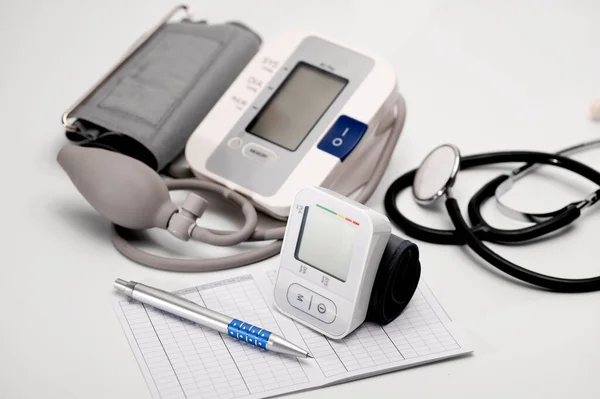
[(188, 310)]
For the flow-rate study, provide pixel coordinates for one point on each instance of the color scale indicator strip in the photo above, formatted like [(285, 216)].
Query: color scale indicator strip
[(337, 214)]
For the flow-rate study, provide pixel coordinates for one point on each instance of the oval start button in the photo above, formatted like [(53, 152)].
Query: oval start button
[(258, 153)]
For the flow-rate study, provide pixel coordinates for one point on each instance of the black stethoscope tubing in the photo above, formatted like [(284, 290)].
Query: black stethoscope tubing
[(481, 231)]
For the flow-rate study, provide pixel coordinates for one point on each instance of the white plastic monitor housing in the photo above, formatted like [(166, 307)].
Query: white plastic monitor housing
[(315, 293), (221, 149)]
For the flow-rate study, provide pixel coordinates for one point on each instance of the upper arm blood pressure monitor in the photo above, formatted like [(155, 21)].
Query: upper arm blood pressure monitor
[(305, 111)]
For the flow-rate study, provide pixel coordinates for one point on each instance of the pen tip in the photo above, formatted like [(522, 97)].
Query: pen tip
[(309, 356)]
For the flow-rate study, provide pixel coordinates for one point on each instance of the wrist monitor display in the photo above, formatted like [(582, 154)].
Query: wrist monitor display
[(330, 257), (321, 227)]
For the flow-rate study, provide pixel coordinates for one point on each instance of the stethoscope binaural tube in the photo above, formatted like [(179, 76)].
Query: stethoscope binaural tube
[(541, 280), (522, 171), (487, 232), (474, 236)]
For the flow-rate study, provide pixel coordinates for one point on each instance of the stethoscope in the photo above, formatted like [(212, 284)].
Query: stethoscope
[(436, 176)]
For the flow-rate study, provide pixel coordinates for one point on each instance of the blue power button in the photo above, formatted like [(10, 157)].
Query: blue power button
[(343, 137)]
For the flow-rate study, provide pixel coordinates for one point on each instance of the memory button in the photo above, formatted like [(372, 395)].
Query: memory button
[(258, 153)]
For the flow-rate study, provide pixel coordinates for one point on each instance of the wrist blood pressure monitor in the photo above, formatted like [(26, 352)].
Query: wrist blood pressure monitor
[(305, 111), (340, 264)]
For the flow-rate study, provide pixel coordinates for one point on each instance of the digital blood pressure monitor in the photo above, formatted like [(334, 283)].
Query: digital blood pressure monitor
[(306, 111), (331, 253)]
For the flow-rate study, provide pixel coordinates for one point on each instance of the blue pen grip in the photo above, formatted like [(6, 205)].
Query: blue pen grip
[(248, 333)]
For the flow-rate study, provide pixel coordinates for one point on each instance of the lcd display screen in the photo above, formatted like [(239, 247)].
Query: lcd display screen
[(326, 241), (296, 106)]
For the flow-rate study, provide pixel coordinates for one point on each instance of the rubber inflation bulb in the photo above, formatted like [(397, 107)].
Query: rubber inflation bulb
[(121, 188)]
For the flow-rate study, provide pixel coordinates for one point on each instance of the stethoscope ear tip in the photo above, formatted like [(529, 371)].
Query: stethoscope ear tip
[(436, 174)]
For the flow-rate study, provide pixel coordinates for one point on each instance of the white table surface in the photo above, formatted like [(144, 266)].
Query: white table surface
[(504, 75)]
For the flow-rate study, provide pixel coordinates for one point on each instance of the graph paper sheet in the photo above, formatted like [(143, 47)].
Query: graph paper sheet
[(180, 359)]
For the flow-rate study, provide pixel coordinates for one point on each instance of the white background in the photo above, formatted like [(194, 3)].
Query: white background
[(483, 75)]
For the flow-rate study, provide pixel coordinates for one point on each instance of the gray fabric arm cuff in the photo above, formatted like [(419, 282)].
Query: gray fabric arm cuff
[(152, 104)]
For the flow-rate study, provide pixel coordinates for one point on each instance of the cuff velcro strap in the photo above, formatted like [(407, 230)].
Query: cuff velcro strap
[(396, 280)]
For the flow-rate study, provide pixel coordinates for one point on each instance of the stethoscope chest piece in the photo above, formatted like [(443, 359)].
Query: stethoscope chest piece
[(436, 174)]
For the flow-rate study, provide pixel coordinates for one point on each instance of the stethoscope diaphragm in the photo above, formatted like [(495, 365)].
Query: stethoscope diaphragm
[(436, 174)]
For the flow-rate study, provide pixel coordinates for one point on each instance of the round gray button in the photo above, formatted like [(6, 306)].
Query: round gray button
[(235, 143), (321, 308)]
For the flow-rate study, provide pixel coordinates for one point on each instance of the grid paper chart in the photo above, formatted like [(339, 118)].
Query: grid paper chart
[(180, 359), (189, 361), (417, 332)]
